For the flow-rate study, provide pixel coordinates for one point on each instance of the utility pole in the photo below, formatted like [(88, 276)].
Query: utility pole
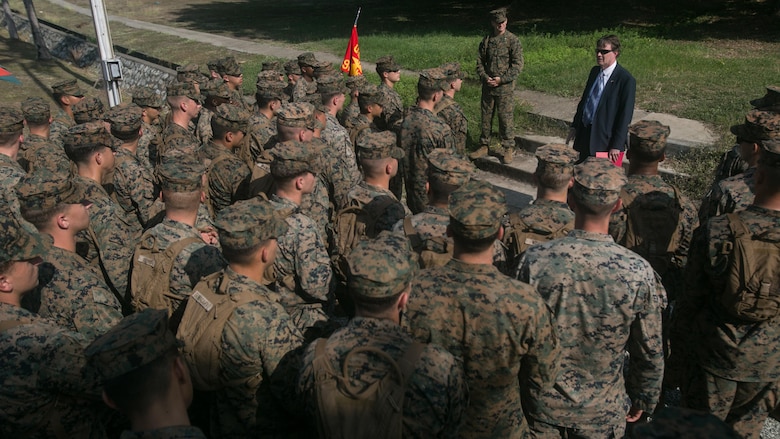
[(111, 66)]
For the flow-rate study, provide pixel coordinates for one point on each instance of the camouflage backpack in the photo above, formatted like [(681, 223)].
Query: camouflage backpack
[(353, 224), (206, 312), (150, 277), (752, 286), (653, 221), (376, 412), (434, 252), (522, 236)]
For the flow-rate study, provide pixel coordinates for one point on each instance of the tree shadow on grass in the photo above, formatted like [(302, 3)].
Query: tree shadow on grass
[(297, 21)]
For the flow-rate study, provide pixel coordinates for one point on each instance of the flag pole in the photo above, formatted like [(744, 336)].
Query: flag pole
[(357, 16)]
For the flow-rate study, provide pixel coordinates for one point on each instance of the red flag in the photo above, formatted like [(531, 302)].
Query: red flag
[(351, 64)]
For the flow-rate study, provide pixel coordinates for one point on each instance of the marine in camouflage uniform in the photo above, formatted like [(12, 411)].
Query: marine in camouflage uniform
[(647, 143), (450, 111), (421, 133), (389, 72), (72, 293), (436, 394), (348, 113), (42, 364), (228, 175), (495, 324), (302, 269), (11, 127), (135, 190), (736, 193), (215, 93), (734, 363), (607, 300), (262, 123), (549, 216), (371, 104), (89, 109), (306, 84), (151, 103), (498, 66), (37, 151), (109, 243), (259, 333), (317, 205), (138, 361), (66, 93), (185, 102), (232, 75), (180, 176)]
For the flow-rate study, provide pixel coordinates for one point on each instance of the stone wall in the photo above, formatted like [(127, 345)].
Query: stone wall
[(138, 69)]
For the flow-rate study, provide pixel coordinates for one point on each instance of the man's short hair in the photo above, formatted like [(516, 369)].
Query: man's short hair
[(611, 39)]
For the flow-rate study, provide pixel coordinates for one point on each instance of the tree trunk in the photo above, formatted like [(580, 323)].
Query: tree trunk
[(43, 51), (9, 21)]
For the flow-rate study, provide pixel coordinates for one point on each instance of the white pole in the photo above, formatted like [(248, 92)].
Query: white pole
[(112, 68)]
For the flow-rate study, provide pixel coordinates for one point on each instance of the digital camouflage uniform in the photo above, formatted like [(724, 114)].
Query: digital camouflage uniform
[(304, 86), (89, 109), (495, 324), (451, 112), (228, 175), (177, 139), (500, 56), (255, 339), (393, 108), (599, 288), (352, 109), (42, 364), (261, 131), (421, 133), (37, 152), (339, 173), (62, 121), (436, 395), (149, 143)]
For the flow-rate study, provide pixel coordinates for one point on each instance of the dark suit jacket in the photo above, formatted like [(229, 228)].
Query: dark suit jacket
[(613, 114)]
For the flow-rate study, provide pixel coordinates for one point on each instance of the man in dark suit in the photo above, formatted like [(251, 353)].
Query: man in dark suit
[(607, 105)]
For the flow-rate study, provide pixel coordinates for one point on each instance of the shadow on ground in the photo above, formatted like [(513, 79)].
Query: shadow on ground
[(683, 19)]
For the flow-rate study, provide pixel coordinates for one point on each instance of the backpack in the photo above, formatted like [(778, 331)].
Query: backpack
[(434, 252), (206, 312), (377, 412), (353, 224), (652, 227), (150, 277), (522, 236), (752, 286)]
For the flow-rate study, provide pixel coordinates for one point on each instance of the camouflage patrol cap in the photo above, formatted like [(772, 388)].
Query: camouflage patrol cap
[(16, 243), (11, 121), (306, 59), (44, 190), (125, 119), (89, 109), (189, 72), (87, 136), (378, 145), (181, 173), (293, 158), (370, 94), (331, 84), (134, 342), (556, 158), (380, 268), (597, 182), (680, 423), (433, 79), (184, 89), (36, 110), (323, 68), (759, 125), (770, 153), (476, 209), (268, 75), (292, 67), (270, 89), (445, 167), (353, 82), (246, 224), (232, 117), (230, 67), (213, 65), (770, 101), (147, 97), (386, 64), (215, 88), (498, 15), (296, 114), (68, 87), (453, 71), (273, 65), (648, 136)]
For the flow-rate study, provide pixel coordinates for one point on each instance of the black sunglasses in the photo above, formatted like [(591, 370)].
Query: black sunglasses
[(603, 51)]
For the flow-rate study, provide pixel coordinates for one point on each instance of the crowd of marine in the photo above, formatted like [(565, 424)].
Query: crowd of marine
[(190, 264)]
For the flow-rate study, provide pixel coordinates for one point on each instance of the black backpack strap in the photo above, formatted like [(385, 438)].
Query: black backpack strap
[(409, 360)]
